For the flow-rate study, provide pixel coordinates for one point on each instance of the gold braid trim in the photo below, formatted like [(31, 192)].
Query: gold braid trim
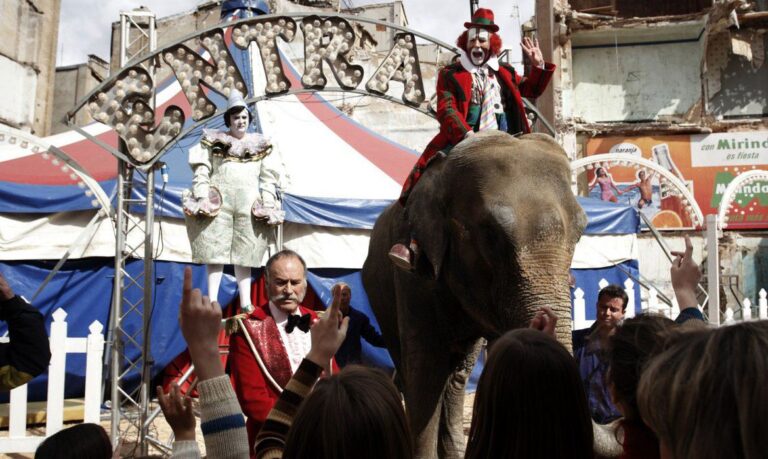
[(231, 324)]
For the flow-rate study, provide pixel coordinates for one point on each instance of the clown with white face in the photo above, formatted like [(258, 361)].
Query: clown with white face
[(474, 94), (478, 46), (233, 172)]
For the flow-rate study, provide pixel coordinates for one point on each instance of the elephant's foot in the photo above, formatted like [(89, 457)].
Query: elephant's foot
[(403, 256)]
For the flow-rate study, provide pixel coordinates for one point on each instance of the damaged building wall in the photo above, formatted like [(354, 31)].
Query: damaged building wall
[(631, 75), (739, 87), (74, 82), (27, 62), (393, 12), (645, 8), (715, 80)]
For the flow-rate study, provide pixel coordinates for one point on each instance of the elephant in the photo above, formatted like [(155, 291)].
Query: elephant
[(497, 223)]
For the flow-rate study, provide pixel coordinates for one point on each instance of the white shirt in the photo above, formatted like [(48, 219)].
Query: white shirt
[(297, 344)]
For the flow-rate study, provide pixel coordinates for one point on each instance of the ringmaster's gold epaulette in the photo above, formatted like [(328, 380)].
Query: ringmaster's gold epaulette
[(232, 325)]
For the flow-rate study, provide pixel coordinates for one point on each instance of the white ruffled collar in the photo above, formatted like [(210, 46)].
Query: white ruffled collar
[(492, 62), (251, 143)]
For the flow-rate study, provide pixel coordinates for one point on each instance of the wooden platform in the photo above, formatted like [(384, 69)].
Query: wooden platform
[(73, 411)]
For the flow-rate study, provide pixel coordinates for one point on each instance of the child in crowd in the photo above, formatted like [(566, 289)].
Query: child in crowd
[(82, 441)]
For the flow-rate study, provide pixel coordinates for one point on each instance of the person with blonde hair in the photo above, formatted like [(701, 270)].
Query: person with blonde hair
[(705, 395)]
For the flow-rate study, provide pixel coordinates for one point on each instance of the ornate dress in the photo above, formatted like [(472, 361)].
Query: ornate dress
[(243, 171)]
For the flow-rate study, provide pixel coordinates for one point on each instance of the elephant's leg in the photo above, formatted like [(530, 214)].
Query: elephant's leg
[(428, 370), (451, 441)]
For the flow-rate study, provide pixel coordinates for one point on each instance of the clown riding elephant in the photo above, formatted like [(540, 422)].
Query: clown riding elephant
[(498, 224)]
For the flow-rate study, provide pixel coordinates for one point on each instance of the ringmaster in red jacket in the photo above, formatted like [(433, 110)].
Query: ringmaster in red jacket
[(264, 356), (477, 93)]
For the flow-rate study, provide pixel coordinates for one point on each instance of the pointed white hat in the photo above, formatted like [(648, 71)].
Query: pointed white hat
[(236, 100)]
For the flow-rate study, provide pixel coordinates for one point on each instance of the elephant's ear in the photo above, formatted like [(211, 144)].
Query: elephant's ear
[(426, 213)]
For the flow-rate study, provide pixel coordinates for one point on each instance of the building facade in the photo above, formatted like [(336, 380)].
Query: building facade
[(27, 62), (683, 84)]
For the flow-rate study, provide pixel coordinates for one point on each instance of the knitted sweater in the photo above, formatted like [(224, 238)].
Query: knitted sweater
[(270, 442), (221, 421)]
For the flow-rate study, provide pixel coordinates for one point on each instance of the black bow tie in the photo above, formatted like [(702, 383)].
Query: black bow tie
[(294, 321)]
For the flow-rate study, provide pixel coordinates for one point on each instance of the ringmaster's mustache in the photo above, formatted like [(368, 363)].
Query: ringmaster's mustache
[(282, 298)]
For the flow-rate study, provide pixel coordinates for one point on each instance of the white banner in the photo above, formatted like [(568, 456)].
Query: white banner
[(729, 149)]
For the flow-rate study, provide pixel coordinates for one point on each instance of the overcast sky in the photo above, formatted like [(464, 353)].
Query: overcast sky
[(85, 24)]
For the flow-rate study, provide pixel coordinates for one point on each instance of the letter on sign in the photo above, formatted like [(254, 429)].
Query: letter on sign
[(125, 105), (265, 35), (401, 64), (193, 71), (329, 40)]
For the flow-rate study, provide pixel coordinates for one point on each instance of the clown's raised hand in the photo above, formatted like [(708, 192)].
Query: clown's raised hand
[(531, 49)]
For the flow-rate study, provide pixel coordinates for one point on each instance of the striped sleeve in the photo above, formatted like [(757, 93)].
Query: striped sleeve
[(221, 420), (270, 441)]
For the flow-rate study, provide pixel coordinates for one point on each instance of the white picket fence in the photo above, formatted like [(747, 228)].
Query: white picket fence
[(17, 440), (746, 311), (652, 305)]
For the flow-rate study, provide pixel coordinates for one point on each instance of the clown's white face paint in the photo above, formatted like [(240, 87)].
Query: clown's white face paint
[(238, 124), (478, 46)]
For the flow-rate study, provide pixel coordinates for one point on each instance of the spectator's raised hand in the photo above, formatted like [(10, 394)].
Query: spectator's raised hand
[(544, 320), (200, 321), (685, 274), (178, 412), (6, 292), (328, 332)]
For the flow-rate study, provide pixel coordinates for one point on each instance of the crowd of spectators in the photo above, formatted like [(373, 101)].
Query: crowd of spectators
[(679, 388)]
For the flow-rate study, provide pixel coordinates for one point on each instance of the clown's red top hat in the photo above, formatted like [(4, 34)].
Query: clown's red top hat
[(482, 19)]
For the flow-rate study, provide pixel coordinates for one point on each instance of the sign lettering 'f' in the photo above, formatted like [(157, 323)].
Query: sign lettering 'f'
[(125, 105)]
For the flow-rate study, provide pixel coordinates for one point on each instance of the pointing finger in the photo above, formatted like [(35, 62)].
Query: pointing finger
[(187, 289)]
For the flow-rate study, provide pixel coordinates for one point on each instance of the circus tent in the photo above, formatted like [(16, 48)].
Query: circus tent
[(341, 174)]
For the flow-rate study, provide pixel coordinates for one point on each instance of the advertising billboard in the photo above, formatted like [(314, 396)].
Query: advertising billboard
[(706, 163)]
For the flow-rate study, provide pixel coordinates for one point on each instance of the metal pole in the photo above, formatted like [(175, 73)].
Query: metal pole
[(123, 176), (473, 4), (123, 40), (147, 361), (713, 270)]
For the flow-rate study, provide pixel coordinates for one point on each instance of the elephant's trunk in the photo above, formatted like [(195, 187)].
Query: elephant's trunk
[(542, 280)]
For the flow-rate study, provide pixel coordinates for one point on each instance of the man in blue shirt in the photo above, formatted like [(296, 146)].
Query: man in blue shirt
[(589, 349), (359, 326)]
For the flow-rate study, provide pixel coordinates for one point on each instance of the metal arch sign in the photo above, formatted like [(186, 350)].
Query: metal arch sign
[(123, 102), (61, 161)]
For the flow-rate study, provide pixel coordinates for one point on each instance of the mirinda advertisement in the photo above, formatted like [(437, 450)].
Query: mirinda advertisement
[(705, 163)]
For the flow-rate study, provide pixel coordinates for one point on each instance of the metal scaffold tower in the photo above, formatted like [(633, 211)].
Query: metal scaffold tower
[(133, 290)]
